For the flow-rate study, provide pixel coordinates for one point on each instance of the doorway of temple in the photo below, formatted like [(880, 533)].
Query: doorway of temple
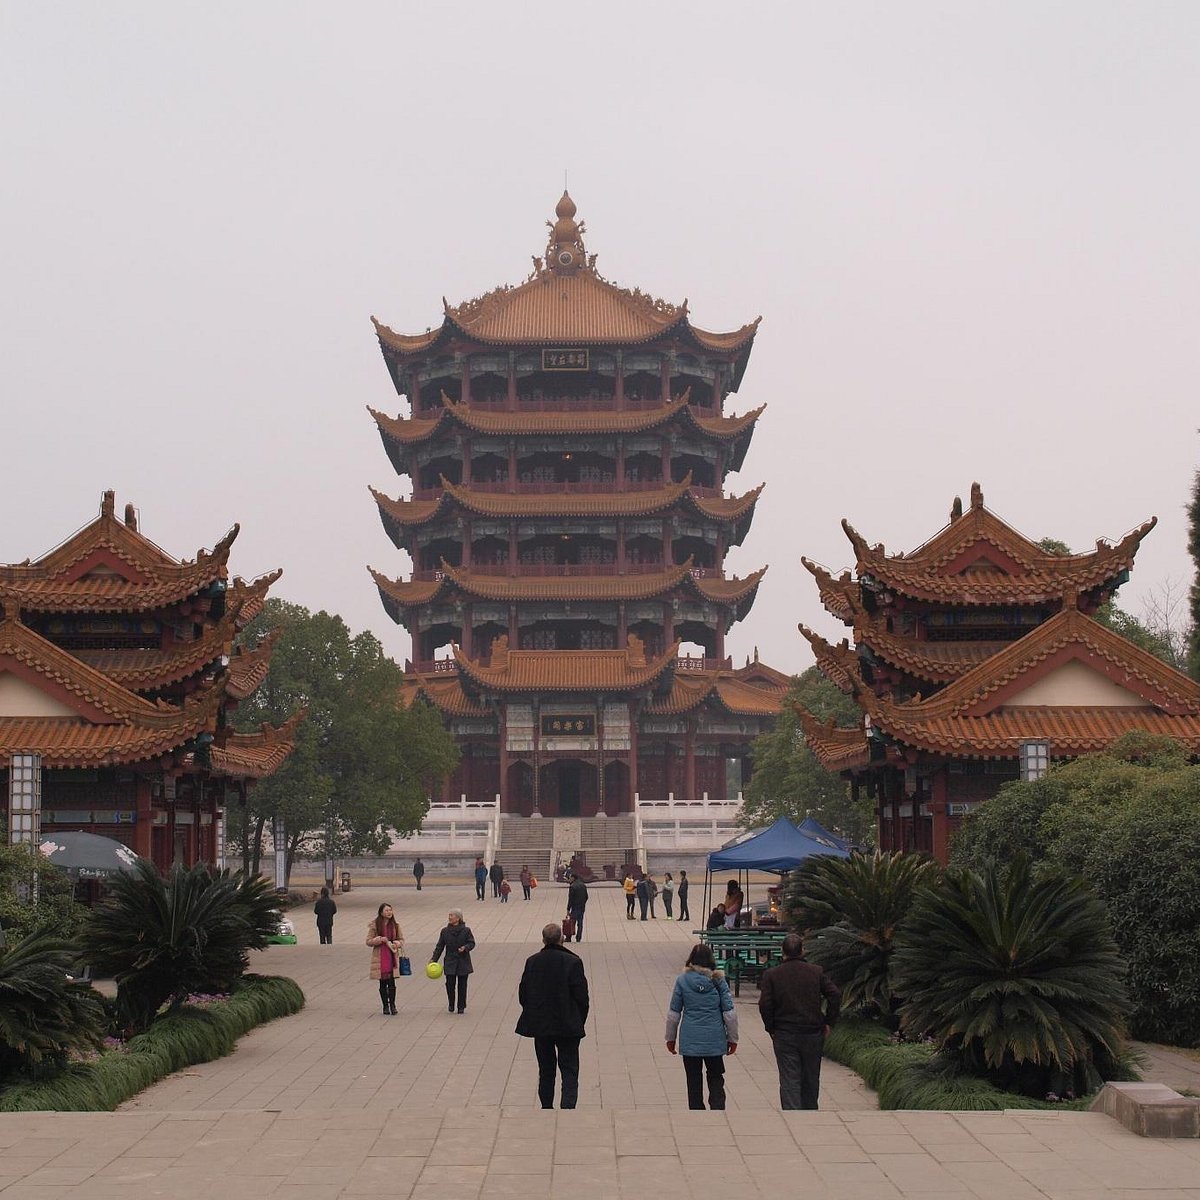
[(569, 788)]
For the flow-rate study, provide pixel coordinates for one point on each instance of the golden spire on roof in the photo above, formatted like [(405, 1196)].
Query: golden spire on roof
[(565, 252)]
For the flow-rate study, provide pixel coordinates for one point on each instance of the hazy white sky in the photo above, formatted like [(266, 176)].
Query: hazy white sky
[(971, 230)]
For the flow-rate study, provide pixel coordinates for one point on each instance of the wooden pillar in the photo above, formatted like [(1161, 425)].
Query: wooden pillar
[(512, 465), (502, 784), (665, 388), (667, 558), (537, 755), (619, 380), (939, 806), (514, 630), (620, 464), (512, 549), (466, 379), (622, 627), (664, 455), (720, 646), (466, 630), (466, 462), (689, 763), (465, 558), (620, 546), (668, 625), (633, 752), (143, 817), (511, 399)]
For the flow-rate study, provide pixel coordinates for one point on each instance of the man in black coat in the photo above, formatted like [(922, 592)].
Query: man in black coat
[(495, 875), (577, 898), (554, 1010), (789, 1002), (418, 872)]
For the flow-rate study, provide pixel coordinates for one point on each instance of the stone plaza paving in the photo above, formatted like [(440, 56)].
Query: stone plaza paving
[(342, 1103)]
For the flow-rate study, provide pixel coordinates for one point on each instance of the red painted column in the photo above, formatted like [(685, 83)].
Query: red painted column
[(505, 804), (466, 629), (512, 467), (939, 806), (622, 628), (619, 381), (511, 398), (633, 753), (668, 625), (666, 379), (466, 379), (143, 827), (621, 546), (514, 630), (689, 764), (620, 464), (512, 549)]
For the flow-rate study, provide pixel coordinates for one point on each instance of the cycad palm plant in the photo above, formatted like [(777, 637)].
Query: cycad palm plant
[(850, 910), (1016, 977), (44, 1015), (165, 938)]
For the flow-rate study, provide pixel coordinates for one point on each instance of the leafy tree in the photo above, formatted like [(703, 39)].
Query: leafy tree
[(788, 781), (163, 939), (363, 763), (1126, 820), (43, 1014), (852, 910), (1016, 977), (56, 909)]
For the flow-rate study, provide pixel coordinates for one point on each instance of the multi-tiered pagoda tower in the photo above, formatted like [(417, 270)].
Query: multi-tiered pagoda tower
[(567, 443)]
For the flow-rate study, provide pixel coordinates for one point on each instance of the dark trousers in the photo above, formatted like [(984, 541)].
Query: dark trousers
[(495, 888), (480, 884), (563, 1054), (577, 914), (387, 993), (644, 905), (629, 905), (668, 900), (526, 889), (798, 1056), (325, 933), (462, 991), (694, 1068), (418, 879), (684, 915)]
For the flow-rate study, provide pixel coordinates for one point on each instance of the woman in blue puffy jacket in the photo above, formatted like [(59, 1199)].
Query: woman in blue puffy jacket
[(702, 1026)]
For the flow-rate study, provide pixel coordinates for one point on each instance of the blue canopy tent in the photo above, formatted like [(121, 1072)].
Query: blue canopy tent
[(817, 831), (777, 849)]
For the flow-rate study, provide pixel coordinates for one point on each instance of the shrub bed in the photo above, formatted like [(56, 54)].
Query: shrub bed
[(905, 1075), (192, 1035)]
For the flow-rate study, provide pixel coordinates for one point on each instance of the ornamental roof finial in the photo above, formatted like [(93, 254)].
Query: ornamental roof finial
[(565, 253)]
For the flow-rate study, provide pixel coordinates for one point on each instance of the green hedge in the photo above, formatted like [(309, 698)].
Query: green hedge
[(905, 1076), (193, 1035)]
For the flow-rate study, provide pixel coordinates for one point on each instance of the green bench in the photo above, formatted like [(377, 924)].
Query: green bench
[(744, 953)]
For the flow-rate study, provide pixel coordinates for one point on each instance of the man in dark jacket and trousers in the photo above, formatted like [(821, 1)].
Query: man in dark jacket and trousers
[(643, 895), (682, 893), (495, 875), (577, 898), (554, 1010), (418, 872), (481, 876), (789, 1002), (324, 909)]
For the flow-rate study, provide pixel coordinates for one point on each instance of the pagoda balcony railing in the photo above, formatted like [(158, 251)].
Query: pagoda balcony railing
[(431, 666), (553, 487), (597, 403), (523, 570), (694, 662)]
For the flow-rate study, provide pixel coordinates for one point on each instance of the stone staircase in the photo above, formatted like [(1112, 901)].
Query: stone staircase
[(540, 841)]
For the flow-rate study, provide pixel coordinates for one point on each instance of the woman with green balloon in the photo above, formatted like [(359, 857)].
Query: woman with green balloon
[(456, 942)]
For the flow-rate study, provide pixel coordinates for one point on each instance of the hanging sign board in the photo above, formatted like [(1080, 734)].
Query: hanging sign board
[(564, 360)]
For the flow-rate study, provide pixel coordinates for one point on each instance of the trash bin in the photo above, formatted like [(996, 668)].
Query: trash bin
[(345, 881)]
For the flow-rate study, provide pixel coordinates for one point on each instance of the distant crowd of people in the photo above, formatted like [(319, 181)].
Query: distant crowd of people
[(797, 1002)]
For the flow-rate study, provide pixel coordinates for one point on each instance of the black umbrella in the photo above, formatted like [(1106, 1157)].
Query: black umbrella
[(86, 855)]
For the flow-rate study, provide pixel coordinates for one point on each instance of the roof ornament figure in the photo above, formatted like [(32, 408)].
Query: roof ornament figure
[(956, 509), (565, 253), (976, 497)]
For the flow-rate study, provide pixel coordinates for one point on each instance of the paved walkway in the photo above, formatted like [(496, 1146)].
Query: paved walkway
[(342, 1103)]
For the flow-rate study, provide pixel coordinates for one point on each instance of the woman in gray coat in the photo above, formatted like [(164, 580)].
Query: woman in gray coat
[(457, 942)]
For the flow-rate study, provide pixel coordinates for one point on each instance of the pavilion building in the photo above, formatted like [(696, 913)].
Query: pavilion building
[(567, 442), (977, 659), (118, 672)]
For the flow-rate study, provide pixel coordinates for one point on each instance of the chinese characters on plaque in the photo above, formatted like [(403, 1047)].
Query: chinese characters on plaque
[(581, 725), (564, 360)]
